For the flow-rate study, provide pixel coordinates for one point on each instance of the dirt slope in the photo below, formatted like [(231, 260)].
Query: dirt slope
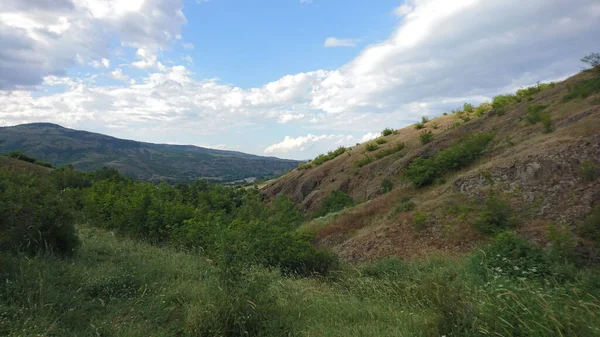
[(540, 173)]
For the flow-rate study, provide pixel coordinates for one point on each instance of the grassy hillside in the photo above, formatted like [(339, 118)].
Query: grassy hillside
[(424, 188), (120, 287), (90, 151)]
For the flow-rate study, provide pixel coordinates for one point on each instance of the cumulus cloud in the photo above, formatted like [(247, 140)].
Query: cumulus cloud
[(302, 143), (41, 38), (335, 42), (369, 136)]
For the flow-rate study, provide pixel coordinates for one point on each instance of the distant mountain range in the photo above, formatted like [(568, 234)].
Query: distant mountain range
[(145, 161)]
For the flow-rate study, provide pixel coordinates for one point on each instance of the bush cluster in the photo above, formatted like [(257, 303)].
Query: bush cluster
[(320, 159), (370, 147), (335, 202), (426, 136), (24, 157), (423, 171), (495, 215), (388, 131)]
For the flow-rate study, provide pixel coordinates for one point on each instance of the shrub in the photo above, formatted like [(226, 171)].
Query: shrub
[(562, 242), (21, 156), (434, 125), (592, 60), (512, 256), (482, 109), (371, 147), (419, 126), (527, 93), (380, 141), (362, 162), (43, 163), (386, 185), (495, 215), (589, 171), (320, 159), (424, 119), (426, 137), (500, 102), (468, 107), (583, 89), (304, 166), (406, 205), (33, 216), (464, 118), (335, 202), (423, 171), (419, 220), (546, 120), (534, 113), (590, 228), (386, 152), (388, 131), (386, 268)]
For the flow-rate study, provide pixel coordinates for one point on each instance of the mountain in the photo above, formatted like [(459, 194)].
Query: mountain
[(146, 161), (535, 153)]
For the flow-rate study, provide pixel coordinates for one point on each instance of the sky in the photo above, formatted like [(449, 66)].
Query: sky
[(284, 78)]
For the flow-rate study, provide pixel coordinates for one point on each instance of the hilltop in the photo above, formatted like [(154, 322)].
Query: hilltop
[(540, 160), (145, 161)]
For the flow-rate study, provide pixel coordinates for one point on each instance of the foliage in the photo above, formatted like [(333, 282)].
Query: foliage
[(386, 185), (419, 126), (371, 147), (562, 242), (527, 93), (500, 102), (425, 119), (26, 158), (534, 113), (387, 152), (34, 217), (320, 159), (419, 220), (426, 136), (335, 202), (590, 228), (468, 107), (380, 141), (495, 215), (592, 60), (423, 171), (304, 166), (546, 120), (483, 109), (388, 131), (583, 89), (364, 161), (589, 171)]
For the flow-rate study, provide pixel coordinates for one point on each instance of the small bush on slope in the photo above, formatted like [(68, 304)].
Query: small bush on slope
[(336, 201), (495, 215), (426, 137), (387, 132), (320, 159), (423, 171), (387, 152), (370, 147)]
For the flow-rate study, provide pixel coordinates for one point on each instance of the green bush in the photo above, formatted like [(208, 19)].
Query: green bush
[(500, 102), (388, 131), (320, 159), (423, 171), (495, 215), (304, 166), (371, 147), (468, 108), (387, 152), (527, 93), (335, 202), (509, 255), (380, 141), (386, 185), (424, 120), (426, 137), (589, 171), (546, 120), (590, 228), (482, 109), (364, 161), (419, 220), (583, 89), (419, 126), (434, 125), (465, 118), (21, 156), (386, 268), (33, 216), (534, 113)]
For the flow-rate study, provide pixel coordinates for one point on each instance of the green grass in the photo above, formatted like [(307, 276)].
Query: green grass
[(119, 287), (583, 89)]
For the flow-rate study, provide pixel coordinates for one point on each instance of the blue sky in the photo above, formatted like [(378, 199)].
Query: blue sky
[(286, 78)]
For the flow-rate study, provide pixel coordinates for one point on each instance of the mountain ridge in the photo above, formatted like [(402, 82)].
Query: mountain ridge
[(141, 160)]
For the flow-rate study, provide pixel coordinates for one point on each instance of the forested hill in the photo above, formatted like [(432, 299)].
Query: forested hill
[(146, 161)]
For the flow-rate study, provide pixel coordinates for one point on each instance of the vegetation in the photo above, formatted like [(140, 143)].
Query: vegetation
[(483, 109), (304, 166), (386, 185), (534, 113), (468, 108), (419, 126), (425, 120), (366, 160), (23, 157), (388, 131), (322, 158), (529, 92), (419, 220), (426, 136), (380, 141), (423, 171), (371, 147), (583, 89), (495, 215), (592, 60), (390, 151), (335, 202), (590, 228), (589, 171)]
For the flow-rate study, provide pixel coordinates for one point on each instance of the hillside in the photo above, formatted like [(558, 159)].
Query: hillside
[(547, 174), (146, 161)]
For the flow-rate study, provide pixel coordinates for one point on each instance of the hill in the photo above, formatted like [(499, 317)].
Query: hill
[(541, 162), (146, 161)]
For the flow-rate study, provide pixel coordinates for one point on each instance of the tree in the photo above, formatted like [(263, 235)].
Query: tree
[(593, 60)]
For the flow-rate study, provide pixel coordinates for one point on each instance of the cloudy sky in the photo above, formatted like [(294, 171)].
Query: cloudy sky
[(286, 78)]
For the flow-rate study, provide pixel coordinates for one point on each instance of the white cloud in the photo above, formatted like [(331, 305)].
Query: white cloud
[(289, 117), (117, 74), (369, 136), (41, 38), (335, 42), (303, 143), (187, 45), (305, 2)]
